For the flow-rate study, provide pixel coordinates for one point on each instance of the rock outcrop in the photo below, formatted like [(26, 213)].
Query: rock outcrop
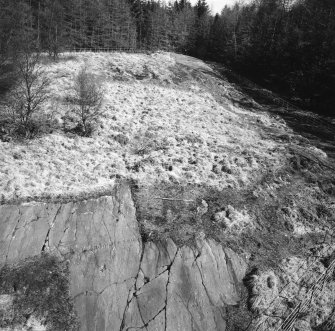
[(118, 282)]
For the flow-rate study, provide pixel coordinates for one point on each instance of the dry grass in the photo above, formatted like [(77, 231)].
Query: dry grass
[(170, 133), (199, 166)]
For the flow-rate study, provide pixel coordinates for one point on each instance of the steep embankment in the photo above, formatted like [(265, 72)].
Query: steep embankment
[(222, 220)]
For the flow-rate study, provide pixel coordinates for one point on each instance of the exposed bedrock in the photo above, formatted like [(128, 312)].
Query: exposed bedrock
[(117, 281)]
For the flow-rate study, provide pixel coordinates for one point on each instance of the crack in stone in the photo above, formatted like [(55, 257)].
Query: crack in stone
[(136, 287), (67, 226), (129, 299), (166, 252), (110, 285), (166, 288), (109, 236), (61, 240), (120, 282), (139, 310), (75, 230), (147, 323), (133, 289), (30, 222), (46, 240), (151, 279), (197, 256), (161, 273), (94, 252), (14, 231)]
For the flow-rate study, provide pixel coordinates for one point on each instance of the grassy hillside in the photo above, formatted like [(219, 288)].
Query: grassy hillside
[(161, 123), (204, 160)]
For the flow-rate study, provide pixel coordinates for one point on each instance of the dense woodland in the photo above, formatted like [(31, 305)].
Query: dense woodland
[(286, 45)]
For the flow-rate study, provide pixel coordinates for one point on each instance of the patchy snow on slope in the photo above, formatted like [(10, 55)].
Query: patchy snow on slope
[(152, 130)]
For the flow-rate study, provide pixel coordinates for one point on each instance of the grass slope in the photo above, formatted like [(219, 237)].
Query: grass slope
[(204, 160), (158, 126)]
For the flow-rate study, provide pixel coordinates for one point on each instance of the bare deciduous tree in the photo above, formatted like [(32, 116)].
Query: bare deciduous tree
[(26, 98), (88, 97)]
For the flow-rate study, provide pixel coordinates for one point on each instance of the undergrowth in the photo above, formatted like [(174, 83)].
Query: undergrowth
[(289, 212), (40, 288)]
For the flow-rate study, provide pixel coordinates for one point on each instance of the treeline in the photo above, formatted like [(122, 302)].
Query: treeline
[(57, 25), (286, 45)]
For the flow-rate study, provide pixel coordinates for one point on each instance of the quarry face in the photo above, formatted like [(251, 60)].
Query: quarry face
[(117, 281)]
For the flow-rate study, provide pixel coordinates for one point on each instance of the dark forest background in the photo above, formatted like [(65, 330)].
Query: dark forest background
[(284, 45)]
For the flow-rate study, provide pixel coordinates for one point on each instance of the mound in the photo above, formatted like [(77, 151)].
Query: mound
[(161, 124)]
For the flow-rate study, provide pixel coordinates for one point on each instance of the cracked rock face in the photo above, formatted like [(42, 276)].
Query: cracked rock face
[(116, 281)]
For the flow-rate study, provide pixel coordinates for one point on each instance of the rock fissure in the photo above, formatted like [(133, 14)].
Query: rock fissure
[(140, 312), (147, 323), (46, 241), (14, 232), (52, 224), (196, 256), (30, 222), (67, 227), (167, 253), (112, 284), (121, 281), (139, 267), (152, 279), (109, 235), (152, 319), (63, 235), (162, 278), (129, 299), (75, 230), (133, 288), (136, 289), (167, 288)]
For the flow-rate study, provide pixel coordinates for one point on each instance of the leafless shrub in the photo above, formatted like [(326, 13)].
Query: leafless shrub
[(22, 108), (87, 99), (148, 141)]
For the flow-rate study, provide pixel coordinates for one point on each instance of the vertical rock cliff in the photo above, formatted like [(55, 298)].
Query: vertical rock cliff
[(118, 282)]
